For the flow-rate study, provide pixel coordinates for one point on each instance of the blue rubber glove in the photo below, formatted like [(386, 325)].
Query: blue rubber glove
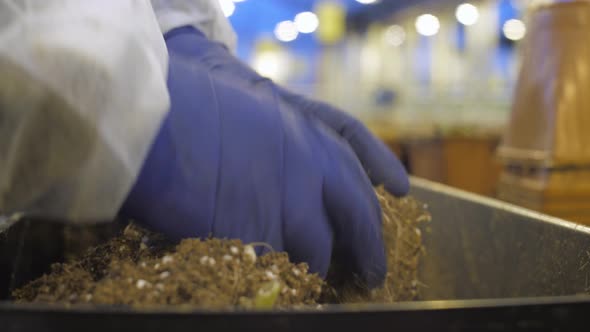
[(380, 164), (237, 161)]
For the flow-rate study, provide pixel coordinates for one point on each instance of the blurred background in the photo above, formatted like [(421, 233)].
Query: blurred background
[(434, 79)]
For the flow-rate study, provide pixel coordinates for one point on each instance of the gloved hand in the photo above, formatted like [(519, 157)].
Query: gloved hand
[(380, 164), (241, 161)]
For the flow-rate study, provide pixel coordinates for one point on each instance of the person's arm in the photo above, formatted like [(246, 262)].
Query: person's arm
[(82, 95)]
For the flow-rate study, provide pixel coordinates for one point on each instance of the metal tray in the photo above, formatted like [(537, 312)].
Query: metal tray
[(489, 266)]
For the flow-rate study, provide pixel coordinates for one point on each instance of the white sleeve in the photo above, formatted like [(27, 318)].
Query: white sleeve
[(82, 96), (205, 15)]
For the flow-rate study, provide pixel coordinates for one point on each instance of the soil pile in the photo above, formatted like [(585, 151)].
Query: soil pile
[(402, 233), (403, 223), (140, 268)]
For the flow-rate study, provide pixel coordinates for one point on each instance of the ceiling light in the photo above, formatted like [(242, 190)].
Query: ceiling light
[(467, 14), (306, 22), (427, 25), (395, 35), (286, 31), (514, 29)]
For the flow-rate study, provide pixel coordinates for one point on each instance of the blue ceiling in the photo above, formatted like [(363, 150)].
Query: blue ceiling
[(260, 16), (253, 19)]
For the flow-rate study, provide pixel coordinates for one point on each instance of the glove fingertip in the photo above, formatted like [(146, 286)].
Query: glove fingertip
[(399, 186)]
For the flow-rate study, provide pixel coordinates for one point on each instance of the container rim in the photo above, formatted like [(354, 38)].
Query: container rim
[(415, 306), (496, 204)]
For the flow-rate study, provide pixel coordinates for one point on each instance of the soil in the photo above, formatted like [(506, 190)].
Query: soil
[(403, 221), (139, 268)]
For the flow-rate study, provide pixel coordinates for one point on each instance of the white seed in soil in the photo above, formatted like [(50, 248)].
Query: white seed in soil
[(227, 258), (157, 266), (270, 275), (167, 259), (296, 272), (204, 260), (294, 292), (143, 264), (250, 253), (211, 261), (88, 297), (142, 246), (164, 275), (142, 283), (234, 250), (418, 232), (122, 248)]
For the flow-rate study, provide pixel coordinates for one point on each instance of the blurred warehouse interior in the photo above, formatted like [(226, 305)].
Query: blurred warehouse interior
[(434, 79), (423, 65)]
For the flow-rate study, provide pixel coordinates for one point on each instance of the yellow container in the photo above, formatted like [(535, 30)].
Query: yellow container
[(561, 193), (550, 120)]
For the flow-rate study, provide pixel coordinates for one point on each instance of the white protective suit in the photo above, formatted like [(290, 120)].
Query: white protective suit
[(205, 15), (82, 96)]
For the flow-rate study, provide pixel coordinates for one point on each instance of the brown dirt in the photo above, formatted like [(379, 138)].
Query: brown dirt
[(139, 268), (403, 219)]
